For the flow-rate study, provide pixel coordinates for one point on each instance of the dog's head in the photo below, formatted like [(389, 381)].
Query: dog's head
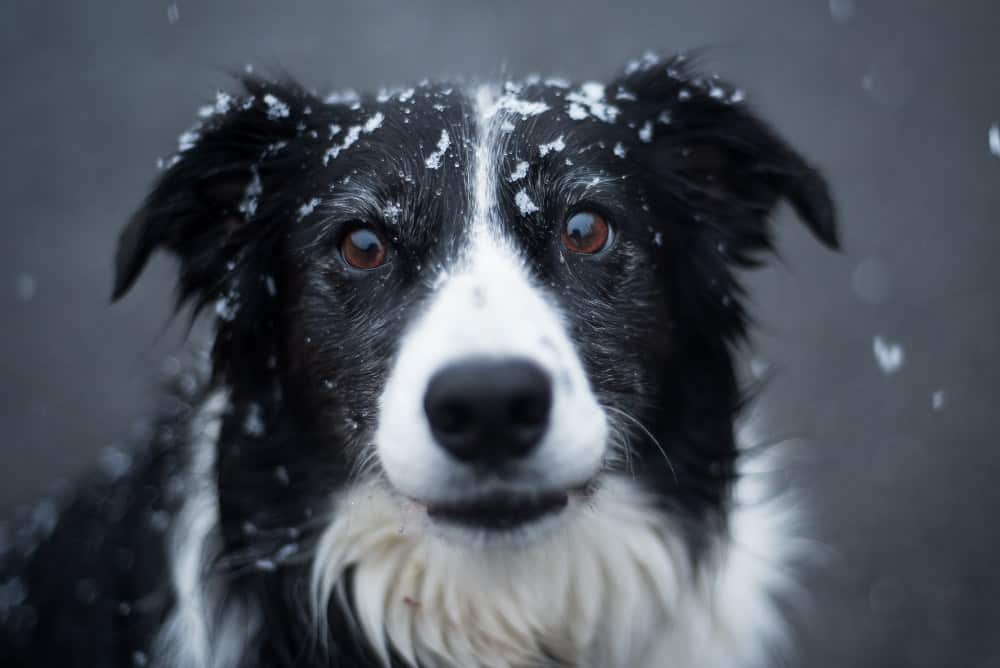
[(488, 300)]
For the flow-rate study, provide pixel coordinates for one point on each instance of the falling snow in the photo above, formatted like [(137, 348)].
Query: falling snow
[(619, 150), (173, 13), (25, 287), (937, 400), (842, 11), (433, 161), (994, 139), (524, 203), (890, 356)]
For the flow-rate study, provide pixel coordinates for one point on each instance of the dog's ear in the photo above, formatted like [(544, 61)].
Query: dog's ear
[(718, 161), (209, 207)]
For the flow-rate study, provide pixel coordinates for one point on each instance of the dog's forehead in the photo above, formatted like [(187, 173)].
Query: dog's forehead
[(440, 158)]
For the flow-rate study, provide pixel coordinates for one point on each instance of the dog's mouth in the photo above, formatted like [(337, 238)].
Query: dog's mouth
[(499, 511)]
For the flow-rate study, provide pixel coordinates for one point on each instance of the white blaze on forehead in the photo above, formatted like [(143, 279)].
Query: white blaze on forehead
[(484, 175)]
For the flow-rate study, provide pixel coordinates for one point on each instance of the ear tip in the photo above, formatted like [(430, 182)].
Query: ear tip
[(118, 290), (814, 204), (823, 223)]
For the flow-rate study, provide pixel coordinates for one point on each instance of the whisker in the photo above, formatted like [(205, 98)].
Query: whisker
[(648, 433)]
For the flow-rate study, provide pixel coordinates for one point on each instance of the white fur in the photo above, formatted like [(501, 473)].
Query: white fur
[(209, 627), (612, 588)]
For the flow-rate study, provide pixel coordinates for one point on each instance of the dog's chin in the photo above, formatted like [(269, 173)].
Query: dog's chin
[(501, 518)]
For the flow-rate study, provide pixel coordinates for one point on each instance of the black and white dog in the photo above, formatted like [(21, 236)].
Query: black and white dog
[(472, 391)]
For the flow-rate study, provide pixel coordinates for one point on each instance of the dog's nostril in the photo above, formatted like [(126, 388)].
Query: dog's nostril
[(453, 417), (489, 410), (527, 410)]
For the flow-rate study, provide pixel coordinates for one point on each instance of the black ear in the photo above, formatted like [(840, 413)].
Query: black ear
[(208, 208), (728, 166)]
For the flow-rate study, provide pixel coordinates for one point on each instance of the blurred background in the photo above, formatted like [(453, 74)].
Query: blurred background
[(882, 361)]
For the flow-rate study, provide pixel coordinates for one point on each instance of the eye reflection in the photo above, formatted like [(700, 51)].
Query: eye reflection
[(363, 248), (586, 232)]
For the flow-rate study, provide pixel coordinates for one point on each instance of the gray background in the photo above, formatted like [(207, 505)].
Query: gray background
[(892, 98)]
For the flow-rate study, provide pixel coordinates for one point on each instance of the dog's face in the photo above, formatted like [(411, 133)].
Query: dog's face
[(486, 299)]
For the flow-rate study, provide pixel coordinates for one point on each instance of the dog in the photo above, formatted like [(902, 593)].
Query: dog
[(471, 399)]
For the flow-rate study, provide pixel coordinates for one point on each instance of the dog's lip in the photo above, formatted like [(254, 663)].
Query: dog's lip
[(499, 510)]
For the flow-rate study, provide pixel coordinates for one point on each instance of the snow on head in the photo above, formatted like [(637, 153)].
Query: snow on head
[(649, 59), (521, 107), (524, 203), (646, 132), (251, 195), (589, 100), (557, 145), (223, 103), (374, 123), (353, 133), (275, 108), (307, 208), (188, 139), (520, 171), (433, 161)]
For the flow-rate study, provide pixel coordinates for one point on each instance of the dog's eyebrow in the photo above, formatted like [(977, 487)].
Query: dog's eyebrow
[(354, 200)]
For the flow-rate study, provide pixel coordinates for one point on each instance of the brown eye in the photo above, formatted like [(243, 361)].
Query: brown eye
[(586, 232), (363, 248)]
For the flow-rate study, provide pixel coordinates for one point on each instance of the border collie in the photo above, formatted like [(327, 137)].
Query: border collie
[(472, 391)]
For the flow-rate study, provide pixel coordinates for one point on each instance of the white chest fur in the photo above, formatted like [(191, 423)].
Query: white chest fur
[(613, 588)]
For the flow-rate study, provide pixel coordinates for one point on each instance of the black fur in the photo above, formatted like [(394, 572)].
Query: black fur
[(303, 343)]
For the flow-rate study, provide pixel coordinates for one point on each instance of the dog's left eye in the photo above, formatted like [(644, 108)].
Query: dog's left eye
[(363, 248), (586, 232)]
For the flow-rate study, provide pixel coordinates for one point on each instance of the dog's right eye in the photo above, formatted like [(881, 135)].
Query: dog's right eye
[(586, 233), (363, 248)]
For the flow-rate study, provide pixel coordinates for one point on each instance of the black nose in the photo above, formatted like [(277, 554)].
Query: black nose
[(489, 411)]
